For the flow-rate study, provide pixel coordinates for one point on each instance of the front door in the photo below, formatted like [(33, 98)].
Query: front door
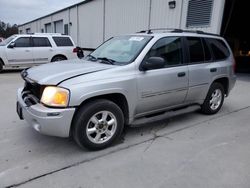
[(166, 87), (22, 52)]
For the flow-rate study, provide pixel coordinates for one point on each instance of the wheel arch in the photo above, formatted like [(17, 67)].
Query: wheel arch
[(224, 81), (118, 98), (1, 61), (58, 55)]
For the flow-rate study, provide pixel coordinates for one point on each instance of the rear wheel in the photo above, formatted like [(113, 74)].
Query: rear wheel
[(58, 58), (214, 99), (98, 124)]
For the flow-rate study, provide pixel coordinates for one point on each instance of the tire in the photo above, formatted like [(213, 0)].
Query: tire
[(58, 58), (214, 99), (89, 128), (1, 66)]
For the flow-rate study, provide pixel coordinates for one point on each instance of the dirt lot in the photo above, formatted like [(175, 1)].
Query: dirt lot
[(191, 150)]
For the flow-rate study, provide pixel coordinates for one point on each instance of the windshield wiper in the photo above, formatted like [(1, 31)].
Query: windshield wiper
[(91, 57), (107, 60)]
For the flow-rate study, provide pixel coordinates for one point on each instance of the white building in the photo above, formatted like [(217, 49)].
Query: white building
[(93, 21)]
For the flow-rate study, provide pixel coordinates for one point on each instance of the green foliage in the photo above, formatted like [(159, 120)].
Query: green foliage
[(7, 29)]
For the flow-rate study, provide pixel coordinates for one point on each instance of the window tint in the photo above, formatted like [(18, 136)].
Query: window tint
[(63, 41), (169, 49), (23, 42), (220, 50), (41, 42), (206, 49), (195, 50)]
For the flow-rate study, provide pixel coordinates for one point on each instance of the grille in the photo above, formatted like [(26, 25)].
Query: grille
[(34, 89), (199, 13)]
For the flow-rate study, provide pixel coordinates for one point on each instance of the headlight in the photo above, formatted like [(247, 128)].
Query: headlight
[(55, 96)]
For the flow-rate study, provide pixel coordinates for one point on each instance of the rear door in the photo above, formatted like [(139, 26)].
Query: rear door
[(42, 51), (200, 68), (65, 46), (22, 53), (163, 88)]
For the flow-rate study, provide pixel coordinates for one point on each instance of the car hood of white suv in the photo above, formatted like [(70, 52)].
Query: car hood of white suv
[(55, 73)]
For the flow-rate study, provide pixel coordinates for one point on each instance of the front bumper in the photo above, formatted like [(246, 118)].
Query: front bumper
[(48, 121)]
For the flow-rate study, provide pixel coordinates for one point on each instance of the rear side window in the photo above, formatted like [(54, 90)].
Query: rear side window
[(41, 42), (23, 42), (219, 49), (63, 41), (196, 54)]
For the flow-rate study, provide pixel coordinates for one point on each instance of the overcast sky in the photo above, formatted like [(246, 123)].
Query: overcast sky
[(21, 11)]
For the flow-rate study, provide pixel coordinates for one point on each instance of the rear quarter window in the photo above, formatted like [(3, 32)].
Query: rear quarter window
[(63, 41), (219, 49)]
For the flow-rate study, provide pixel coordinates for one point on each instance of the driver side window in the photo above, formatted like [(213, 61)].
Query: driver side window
[(169, 49), (23, 42)]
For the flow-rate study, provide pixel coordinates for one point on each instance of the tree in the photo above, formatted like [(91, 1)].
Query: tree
[(7, 29)]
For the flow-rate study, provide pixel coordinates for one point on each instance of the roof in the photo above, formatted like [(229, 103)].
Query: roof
[(69, 7)]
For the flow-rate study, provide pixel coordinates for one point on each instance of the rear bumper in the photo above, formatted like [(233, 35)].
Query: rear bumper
[(48, 121)]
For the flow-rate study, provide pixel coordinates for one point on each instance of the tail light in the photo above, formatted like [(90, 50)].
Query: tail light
[(75, 50)]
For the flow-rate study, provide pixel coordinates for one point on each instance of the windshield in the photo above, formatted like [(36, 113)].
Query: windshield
[(6, 41), (120, 50)]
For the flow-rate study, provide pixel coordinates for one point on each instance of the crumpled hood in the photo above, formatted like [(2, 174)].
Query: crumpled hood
[(55, 73)]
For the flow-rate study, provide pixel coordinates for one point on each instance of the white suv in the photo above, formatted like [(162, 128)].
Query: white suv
[(27, 50)]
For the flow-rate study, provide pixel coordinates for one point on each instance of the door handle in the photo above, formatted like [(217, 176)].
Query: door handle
[(213, 69), (181, 74), (27, 50)]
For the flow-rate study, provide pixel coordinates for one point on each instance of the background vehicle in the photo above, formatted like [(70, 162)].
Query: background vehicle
[(127, 80), (34, 49)]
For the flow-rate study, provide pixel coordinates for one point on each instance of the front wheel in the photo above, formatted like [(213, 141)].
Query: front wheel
[(98, 124), (1, 66), (214, 99)]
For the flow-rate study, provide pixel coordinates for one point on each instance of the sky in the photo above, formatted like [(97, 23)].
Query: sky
[(21, 11)]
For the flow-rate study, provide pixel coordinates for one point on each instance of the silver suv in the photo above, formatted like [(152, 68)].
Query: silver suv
[(125, 80)]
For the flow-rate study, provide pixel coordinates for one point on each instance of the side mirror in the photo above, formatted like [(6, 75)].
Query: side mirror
[(12, 45), (152, 63)]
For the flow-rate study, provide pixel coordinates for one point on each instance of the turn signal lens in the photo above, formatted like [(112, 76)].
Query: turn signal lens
[(55, 96)]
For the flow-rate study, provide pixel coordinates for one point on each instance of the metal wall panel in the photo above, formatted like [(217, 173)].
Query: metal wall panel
[(90, 31), (92, 23), (164, 17), (125, 16), (73, 24), (43, 22)]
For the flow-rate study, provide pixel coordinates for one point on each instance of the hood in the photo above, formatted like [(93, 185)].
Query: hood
[(54, 73)]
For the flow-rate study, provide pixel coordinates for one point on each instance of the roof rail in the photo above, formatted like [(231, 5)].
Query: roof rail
[(46, 33), (149, 31), (194, 31), (176, 30)]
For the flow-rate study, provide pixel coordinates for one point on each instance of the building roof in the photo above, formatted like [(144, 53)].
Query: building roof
[(74, 5)]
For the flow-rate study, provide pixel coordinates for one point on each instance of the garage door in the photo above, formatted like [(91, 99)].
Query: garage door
[(58, 26), (48, 28)]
